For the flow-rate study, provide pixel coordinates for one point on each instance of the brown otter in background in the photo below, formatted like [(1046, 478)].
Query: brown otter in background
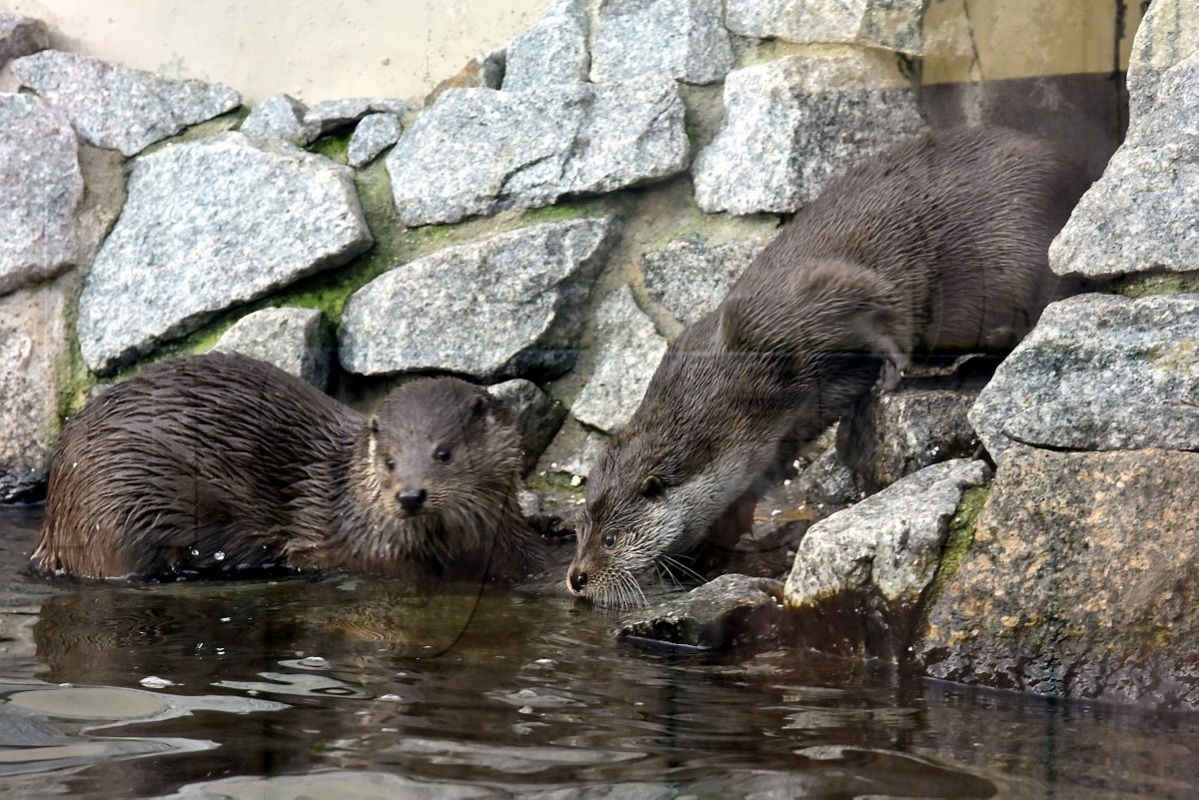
[(221, 464), (937, 244)]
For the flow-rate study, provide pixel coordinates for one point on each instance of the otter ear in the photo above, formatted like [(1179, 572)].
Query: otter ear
[(652, 487), (478, 406)]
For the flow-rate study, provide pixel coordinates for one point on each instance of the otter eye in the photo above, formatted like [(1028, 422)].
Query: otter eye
[(443, 455), (609, 540), (652, 487), (389, 464)]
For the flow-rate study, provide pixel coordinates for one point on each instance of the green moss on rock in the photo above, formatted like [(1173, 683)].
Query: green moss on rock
[(959, 541), (1144, 285)]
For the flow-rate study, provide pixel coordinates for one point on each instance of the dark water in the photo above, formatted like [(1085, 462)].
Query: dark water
[(349, 687)]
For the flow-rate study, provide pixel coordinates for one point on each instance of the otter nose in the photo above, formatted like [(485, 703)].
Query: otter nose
[(411, 499), (578, 581)]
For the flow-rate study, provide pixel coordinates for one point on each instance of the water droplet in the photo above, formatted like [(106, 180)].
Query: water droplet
[(219, 555), (195, 552), (153, 682), (391, 698)]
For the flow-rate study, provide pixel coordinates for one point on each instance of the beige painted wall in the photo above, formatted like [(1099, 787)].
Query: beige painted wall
[(312, 49)]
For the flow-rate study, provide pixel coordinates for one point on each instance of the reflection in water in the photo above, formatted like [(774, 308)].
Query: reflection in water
[(352, 687)]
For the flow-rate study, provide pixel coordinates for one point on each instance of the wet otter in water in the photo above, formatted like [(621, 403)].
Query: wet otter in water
[(223, 465), (937, 244)]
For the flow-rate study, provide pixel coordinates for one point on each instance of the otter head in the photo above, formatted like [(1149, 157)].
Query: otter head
[(442, 447)]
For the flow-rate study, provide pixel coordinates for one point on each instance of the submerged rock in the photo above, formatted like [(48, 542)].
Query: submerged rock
[(859, 575), (627, 351), (1081, 581), (552, 50), (887, 24), (43, 187), (296, 340), (1099, 372), (510, 306), (210, 224), (119, 108), (681, 39), (793, 124), (33, 357), (479, 151), (729, 611)]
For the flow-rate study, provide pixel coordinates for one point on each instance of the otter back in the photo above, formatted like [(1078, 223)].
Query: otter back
[(221, 464), (937, 244)]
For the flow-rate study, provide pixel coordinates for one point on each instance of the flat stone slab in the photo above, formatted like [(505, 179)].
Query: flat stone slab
[(43, 187), (509, 306), (117, 108), (1081, 581), (208, 225), (728, 611), (1143, 213), (627, 351), (551, 50), (888, 24), (793, 124), (480, 151), (296, 340), (21, 36), (681, 39), (1099, 372), (690, 278), (33, 357)]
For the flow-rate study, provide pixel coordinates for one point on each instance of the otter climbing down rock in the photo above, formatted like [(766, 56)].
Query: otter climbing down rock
[(223, 465), (938, 244)]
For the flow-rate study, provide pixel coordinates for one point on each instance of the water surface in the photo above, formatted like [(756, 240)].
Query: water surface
[(351, 687)]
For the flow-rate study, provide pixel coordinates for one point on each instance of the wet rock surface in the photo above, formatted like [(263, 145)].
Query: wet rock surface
[(859, 575), (43, 187), (726, 612), (682, 39), (207, 225), (296, 340), (1080, 581), (787, 133), (33, 353), (552, 50), (1099, 372), (479, 151), (524, 324), (117, 108), (627, 351)]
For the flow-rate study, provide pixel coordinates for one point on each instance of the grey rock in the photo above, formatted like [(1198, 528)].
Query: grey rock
[(627, 351), (374, 134), (210, 224), (43, 186), (892, 434), (682, 39), (1168, 35), (1080, 581), (33, 358), (690, 278), (1143, 213), (536, 415), (574, 450), (280, 116), (794, 124), (887, 24), (117, 108), (479, 151), (483, 71), (508, 306), (827, 482), (1099, 372), (889, 544), (552, 50), (296, 340), (21, 36), (729, 611), (333, 115)]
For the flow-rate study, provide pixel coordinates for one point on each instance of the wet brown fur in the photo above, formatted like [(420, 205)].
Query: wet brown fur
[(224, 465), (938, 244)]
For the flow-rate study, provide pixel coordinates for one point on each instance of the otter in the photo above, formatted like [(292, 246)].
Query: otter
[(936, 245), (220, 465)]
